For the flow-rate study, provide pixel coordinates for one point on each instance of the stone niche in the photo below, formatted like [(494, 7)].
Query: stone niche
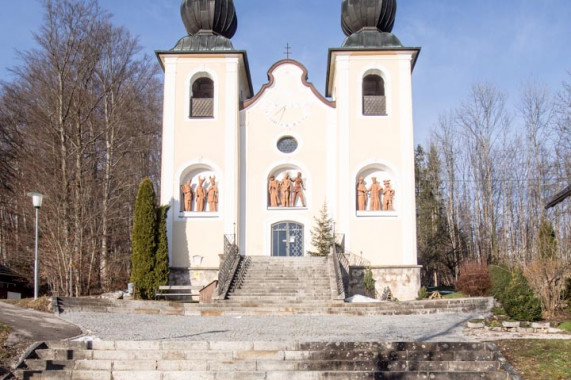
[(404, 281)]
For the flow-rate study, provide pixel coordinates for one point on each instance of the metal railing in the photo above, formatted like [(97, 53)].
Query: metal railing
[(341, 265), (228, 265)]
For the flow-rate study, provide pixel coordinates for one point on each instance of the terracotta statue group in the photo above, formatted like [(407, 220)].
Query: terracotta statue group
[(374, 193), (285, 193), (201, 195)]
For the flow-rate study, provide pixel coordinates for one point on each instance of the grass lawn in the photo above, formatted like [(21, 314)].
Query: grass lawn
[(5, 354), (539, 359)]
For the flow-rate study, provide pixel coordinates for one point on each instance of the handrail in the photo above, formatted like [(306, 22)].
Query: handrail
[(356, 260), (228, 265), (341, 265)]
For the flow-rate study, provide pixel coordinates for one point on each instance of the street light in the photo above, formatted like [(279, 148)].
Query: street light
[(37, 201)]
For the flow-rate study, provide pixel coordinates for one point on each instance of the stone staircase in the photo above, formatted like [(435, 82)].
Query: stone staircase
[(279, 280), (177, 360)]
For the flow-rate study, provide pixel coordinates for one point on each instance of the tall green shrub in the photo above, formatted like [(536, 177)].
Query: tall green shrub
[(519, 301), (500, 276), (144, 241), (161, 269)]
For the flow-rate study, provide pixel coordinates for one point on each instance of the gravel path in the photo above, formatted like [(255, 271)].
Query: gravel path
[(437, 327)]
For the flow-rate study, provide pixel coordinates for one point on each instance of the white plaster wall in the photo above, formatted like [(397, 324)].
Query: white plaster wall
[(311, 123)]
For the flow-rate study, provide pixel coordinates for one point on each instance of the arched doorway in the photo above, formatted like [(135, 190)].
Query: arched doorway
[(287, 239)]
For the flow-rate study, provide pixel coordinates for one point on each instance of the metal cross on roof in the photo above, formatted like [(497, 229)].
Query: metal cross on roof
[(288, 50)]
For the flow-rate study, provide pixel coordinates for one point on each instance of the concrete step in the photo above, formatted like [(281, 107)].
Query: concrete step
[(261, 375), (175, 360)]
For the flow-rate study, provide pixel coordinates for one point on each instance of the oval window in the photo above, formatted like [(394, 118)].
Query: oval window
[(287, 144)]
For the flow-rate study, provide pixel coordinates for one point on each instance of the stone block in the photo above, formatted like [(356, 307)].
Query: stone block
[(510, 324), (540, 325), (138, 375), (182, 365), (98, 365), (231, 366), (138, 345), (274, 346), (102, 345), (259, 355), (286, 375), (134, 365), (231, 346), (185, 346)]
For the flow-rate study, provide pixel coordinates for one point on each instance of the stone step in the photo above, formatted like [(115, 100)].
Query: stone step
[(259, 375), (260, 361), (175, 360), (281, 299), (277, 293)]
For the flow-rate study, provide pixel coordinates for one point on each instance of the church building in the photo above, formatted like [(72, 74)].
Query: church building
[(256, 168)]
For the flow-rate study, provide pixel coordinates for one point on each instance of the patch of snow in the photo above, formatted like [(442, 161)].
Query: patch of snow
[(361, 299)]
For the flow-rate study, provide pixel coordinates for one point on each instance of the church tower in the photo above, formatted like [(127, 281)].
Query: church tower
[(205, 81), (369, 78)]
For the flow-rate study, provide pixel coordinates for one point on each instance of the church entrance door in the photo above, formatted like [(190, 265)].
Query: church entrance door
[(287, 239)]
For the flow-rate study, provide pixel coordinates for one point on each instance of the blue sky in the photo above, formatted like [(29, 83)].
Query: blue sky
[(505, 42)]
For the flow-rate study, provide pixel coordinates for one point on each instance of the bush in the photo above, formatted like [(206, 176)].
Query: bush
[(546, 277), (518, 300), (568, 290), (369, 284), (422, 293), (474, 279), (500, 277)]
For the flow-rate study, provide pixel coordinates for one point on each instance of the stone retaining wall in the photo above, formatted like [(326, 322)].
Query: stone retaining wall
[(86, 304)]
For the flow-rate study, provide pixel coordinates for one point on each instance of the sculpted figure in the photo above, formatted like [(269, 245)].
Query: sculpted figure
[(213, 195), (361, 195), (286, 190), (200, 195), (375, 190), (273, 189), (298, 190), (187, 195), (388, 194)]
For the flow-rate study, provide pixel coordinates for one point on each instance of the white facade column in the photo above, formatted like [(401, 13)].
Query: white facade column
[(168, 183)]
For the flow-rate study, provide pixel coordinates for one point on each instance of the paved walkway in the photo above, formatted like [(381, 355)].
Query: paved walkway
[(434, 327), (31, 325)]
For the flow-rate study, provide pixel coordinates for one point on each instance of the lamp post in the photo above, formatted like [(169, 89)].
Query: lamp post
[(37, 201)]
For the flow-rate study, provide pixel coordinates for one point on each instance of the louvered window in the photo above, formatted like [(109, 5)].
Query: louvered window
[(374, 99), (202, 99)]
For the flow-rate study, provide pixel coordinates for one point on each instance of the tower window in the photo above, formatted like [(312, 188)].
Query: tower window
[(202, 99), (374, 99)]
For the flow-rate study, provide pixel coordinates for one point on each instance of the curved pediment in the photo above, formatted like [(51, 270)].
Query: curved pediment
[(287, 77)]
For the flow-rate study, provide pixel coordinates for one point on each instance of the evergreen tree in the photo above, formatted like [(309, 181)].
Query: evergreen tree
[(546, 241), (322, 233), (432, 229), (162, 255), (144, 241)]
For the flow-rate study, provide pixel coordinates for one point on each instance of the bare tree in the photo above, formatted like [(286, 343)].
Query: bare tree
[(87, 107)]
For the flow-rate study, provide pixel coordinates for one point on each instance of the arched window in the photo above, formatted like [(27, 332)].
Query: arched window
[(202, 98), (374, 99)]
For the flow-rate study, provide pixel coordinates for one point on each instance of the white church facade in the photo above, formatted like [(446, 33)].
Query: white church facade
[(257, 168)]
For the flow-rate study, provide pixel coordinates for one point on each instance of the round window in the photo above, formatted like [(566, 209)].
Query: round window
[(287, 144)]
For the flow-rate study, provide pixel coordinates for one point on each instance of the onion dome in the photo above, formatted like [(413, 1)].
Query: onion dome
[(369, 23), (209, 17), (209, 23)]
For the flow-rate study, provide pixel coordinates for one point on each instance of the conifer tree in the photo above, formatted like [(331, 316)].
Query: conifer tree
[(547, 241), (322, 234), (162, 255), (144, 240)]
